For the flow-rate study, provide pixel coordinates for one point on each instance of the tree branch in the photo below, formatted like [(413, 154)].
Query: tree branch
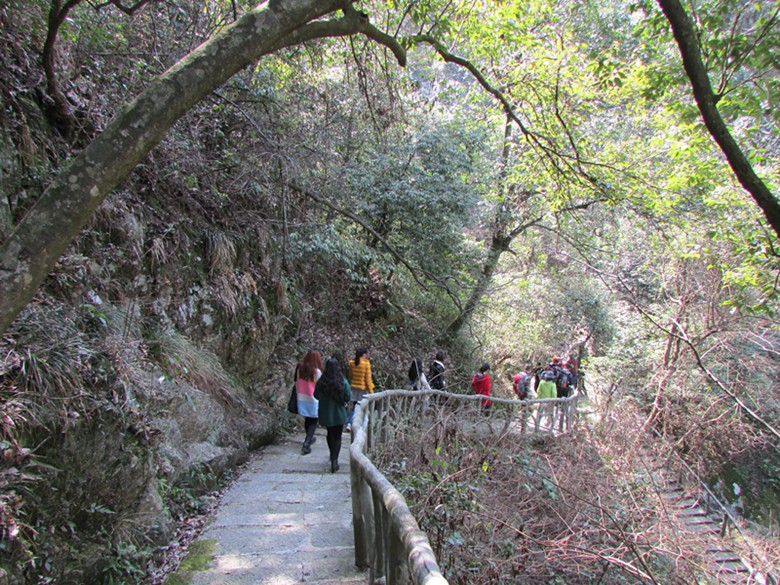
[(56, 107), (353, 22), (706, 100), (558, 160), (129, 10)]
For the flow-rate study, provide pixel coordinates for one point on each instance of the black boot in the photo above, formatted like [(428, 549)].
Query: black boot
[(334, 465), (306, 449)]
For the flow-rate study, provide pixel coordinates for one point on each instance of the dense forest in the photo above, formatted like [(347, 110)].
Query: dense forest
[(194, 193)]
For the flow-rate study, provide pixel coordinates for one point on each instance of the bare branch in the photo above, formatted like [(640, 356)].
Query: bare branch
[(678, 332), (129, 10)]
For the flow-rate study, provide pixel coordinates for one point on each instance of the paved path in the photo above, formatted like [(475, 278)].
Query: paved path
[(287, 520)]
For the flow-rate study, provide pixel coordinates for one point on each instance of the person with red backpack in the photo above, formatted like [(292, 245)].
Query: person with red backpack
[(521, 383)]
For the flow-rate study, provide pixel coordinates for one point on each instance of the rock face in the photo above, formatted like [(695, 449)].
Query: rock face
[(128, 425), (143, 369)]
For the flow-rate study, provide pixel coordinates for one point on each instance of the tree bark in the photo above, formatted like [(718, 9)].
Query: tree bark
[(43, 235), (706, 100), (55, 104), (498, 245)]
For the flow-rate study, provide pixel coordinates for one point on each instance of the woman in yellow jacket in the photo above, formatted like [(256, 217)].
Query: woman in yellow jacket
[(360, 380)]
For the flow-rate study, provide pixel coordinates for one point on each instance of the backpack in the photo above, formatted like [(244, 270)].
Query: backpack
[(436, 375), (563, 378), (520, 385)]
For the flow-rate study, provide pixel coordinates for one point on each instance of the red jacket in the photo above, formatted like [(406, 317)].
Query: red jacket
[(481, 384)]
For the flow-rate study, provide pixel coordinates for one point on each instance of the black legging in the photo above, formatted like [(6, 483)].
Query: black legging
[(334, 441), (310, 424)]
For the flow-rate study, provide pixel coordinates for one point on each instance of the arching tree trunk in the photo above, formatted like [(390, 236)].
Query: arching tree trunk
[(41, 237)]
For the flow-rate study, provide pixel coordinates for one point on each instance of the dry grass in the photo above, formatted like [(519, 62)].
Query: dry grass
[(116, 221), (580, 508), (200, 367), (167, 246), (220, 252)]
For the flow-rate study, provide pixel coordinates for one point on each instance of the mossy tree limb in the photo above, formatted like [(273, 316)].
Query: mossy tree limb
[(43, 235)]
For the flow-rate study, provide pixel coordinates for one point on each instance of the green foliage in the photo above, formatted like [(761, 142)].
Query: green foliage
[(191, 494), (326, 252), (418, 197), (125, 563), (739, 42)]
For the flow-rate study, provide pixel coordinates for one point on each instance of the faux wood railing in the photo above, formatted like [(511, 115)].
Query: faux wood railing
[(388, 539)]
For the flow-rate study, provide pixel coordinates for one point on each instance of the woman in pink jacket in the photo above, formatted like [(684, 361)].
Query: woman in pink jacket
[(309, 371)]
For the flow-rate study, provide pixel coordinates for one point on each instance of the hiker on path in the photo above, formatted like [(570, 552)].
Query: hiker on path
[(360, 379), (416, 376), (482, 385), (546, 389), (521, 383), (309, 371), (573, 366), (561, 378), (333, 392), (418, 381), (536, 372), (436, 372)]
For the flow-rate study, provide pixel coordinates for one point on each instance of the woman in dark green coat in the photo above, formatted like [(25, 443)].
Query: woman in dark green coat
[(332, 391)]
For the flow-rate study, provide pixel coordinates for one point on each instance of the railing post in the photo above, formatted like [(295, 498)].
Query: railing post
[(379, 421), (398, 573), (359, 525), (370, 413), (523, 420), (361, 503), (380, 538)]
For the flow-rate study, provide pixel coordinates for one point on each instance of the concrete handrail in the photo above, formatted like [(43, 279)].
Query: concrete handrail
[(388, 539)]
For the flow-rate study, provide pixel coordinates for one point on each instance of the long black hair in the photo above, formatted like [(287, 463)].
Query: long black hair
[(331, 384), (359, 352), (415, 370)]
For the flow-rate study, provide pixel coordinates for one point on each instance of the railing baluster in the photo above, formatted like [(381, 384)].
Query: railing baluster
[(398, 573), (387, 537), (380, 530)]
